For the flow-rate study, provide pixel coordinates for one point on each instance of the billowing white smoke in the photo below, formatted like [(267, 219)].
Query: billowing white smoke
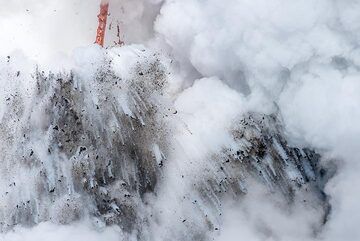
[(302, 55), (47, 231), (300, 58), (49, 31)]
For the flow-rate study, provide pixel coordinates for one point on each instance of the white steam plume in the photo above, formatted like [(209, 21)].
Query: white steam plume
[(300, 58)]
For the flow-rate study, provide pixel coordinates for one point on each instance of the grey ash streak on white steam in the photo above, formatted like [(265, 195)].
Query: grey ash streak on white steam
[(249, 133), (97, 145)]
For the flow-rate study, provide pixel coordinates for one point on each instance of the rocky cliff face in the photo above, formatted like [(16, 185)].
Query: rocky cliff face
[(99, 146)]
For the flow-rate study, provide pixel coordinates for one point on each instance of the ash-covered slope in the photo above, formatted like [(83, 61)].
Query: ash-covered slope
[(103, 142), (85, 146), (258, 157)]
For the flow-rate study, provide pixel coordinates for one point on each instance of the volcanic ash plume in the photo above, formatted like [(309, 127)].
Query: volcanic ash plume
[(196, 120)]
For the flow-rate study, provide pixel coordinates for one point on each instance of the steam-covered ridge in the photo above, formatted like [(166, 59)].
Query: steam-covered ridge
[(106, 142)]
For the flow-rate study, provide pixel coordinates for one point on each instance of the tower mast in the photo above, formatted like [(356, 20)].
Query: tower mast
[(100, 33)]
